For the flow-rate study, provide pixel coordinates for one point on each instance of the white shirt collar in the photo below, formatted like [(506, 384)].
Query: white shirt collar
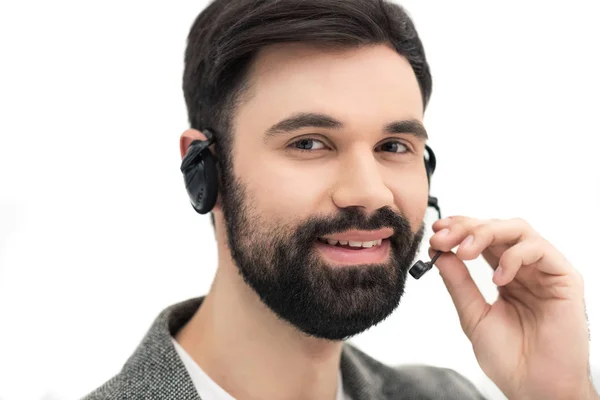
[(209, 390)]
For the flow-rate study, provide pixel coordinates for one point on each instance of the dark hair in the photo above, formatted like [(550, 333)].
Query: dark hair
[(228, 33)]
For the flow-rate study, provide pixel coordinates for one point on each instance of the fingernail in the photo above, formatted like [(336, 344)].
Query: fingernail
[(468, 240), (498, 272), (444, 232)]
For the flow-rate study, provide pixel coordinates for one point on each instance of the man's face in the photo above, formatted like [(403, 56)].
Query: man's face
[(298, 199)]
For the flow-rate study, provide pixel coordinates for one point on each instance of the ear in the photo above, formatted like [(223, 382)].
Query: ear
[(187, 138)]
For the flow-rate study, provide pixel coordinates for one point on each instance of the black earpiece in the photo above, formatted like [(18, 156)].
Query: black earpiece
[(430, 164), (202, 185), (200, 174)]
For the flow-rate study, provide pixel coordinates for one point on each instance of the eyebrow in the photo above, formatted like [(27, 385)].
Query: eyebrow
[(317, 120)]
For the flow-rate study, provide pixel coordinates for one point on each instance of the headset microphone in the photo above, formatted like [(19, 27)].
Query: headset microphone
[(200, 177), (421, 267)]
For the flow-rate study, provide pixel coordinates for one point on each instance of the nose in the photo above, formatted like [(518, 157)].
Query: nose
[(360, 184)]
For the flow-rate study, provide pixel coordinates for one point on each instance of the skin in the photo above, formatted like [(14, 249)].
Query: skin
[(365, 89)]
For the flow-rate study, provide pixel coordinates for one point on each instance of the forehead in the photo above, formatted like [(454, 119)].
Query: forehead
[(361, 86)]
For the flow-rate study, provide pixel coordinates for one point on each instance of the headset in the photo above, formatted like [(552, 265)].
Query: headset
[(201, 182)]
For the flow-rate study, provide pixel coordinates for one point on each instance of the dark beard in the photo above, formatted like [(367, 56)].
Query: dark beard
[(284, 268)]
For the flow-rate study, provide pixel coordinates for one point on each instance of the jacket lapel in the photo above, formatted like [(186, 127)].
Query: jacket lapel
[(155, 367), (360, 383)]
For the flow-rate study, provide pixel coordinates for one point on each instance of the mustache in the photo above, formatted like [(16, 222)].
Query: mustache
[(353, 218)]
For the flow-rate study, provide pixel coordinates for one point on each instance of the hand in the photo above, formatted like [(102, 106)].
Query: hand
[(533, 341)]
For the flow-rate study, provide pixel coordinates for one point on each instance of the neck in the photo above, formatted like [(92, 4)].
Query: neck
[(252, 354)]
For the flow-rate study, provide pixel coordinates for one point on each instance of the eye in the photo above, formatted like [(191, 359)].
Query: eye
[(395, 147), (308, 145)]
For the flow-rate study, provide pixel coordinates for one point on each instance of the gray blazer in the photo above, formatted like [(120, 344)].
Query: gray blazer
[(155, 371)]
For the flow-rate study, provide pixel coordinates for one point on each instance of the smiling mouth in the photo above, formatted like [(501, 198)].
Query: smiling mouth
[(352, 253), (351, 244)]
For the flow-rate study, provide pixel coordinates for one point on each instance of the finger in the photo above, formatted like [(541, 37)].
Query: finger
[(493, 233), (455, 230), (500, 232), (468, 300), (450, 233), (527, 253), (514, 258), (440, 224), (487, 254), (455, 219)]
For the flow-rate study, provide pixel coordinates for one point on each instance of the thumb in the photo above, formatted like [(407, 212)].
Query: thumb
[(466, 296)]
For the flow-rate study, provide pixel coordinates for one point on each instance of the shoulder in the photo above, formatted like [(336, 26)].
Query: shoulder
[(411, 381)]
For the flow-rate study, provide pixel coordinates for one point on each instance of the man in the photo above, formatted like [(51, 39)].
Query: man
[(316, 108)]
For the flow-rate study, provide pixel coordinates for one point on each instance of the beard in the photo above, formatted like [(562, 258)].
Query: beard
[(283, 266)]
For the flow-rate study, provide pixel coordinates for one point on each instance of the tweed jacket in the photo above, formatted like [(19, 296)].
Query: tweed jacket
[(155, 371)]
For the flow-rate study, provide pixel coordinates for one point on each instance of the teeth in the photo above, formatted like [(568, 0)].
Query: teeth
[(352, 243)]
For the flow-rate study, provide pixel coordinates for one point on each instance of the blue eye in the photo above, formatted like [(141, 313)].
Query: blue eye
[(308, 144), (395, 147)]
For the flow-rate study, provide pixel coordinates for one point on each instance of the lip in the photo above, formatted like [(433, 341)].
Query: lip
[(362, 236), (340, 256)]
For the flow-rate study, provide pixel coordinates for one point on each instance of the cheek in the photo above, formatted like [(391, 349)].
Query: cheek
[(410, 194), (285, 192)]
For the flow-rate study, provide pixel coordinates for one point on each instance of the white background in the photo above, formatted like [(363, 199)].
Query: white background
[(96, 233)]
